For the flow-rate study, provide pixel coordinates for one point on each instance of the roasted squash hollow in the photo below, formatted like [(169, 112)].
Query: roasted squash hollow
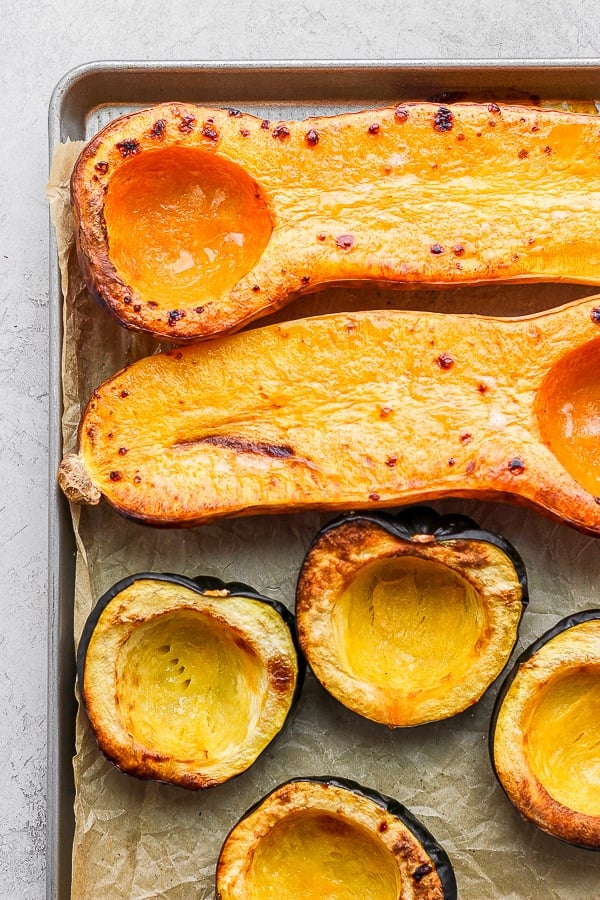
[(408, 619), (187, 680), (320, 837), (191, 221), (544, 732), (352, 411)]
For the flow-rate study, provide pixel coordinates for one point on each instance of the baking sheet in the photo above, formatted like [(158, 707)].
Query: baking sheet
[(147, 840)]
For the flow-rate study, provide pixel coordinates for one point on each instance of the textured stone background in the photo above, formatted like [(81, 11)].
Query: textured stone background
[(41, 41)]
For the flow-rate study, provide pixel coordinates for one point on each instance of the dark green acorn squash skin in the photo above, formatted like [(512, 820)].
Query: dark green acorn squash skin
[(435, 851), (200, 585), (567, 622), (423, 520)]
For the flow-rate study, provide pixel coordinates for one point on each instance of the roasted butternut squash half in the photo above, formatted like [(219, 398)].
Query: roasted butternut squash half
[(187, 681), (321, 837), (545, 732), (353, 411), (408, 619), (191, 221)]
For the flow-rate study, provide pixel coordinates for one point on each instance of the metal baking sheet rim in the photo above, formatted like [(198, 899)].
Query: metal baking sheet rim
[(86, 87)]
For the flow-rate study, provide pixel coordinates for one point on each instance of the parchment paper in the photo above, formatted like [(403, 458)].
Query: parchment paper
[(137, 840)]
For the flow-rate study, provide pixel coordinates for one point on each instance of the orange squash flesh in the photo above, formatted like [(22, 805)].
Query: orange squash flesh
[(192, 221), (351, 411)]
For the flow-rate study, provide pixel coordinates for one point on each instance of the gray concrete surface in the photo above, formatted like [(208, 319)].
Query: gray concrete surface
[(39, 42)]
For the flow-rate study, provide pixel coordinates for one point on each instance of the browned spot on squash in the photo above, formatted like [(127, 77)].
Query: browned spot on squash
[(523, 153), (129, 147), (210, 132), (374, 128), (101, 167), (158, 129), (443, 119), (243, 445), (280, 674), (401, 114), (445, 361), (187, 124), (516, 466), (281, 132), (421, 871), (312, 137)]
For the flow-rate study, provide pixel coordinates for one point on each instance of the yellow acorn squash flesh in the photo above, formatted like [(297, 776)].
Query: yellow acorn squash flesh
[(405, 633), (544, 735), (407, 624), (185, 687), (353, 411), (563, 739), (218, 219), (315, 855), (328, 837)]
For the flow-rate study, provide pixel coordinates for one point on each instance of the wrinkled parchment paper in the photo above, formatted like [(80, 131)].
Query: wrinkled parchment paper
[(137, 840)]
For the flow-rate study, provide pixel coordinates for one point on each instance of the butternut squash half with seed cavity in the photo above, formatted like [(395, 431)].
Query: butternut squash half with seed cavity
[(353, 411), (191, 221)]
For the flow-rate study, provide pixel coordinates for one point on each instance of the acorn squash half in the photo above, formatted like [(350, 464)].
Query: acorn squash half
[(353, 411), (409, 619), (187, 680), (315, 838), (192, 221), (545, 731)]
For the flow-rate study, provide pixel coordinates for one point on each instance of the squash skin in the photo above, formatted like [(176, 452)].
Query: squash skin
[(570, 647), (348, 411), (425, 867), (473, 560), (508, 194), (117, 615)]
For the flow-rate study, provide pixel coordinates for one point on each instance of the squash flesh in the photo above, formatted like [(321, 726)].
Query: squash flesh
[(563, 739), (416, 655), (544, 735), (344, 411), (316, 856), (409, 625), (374, 196), (186, 686), (193, 227), (570, 416), (203, 725)]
